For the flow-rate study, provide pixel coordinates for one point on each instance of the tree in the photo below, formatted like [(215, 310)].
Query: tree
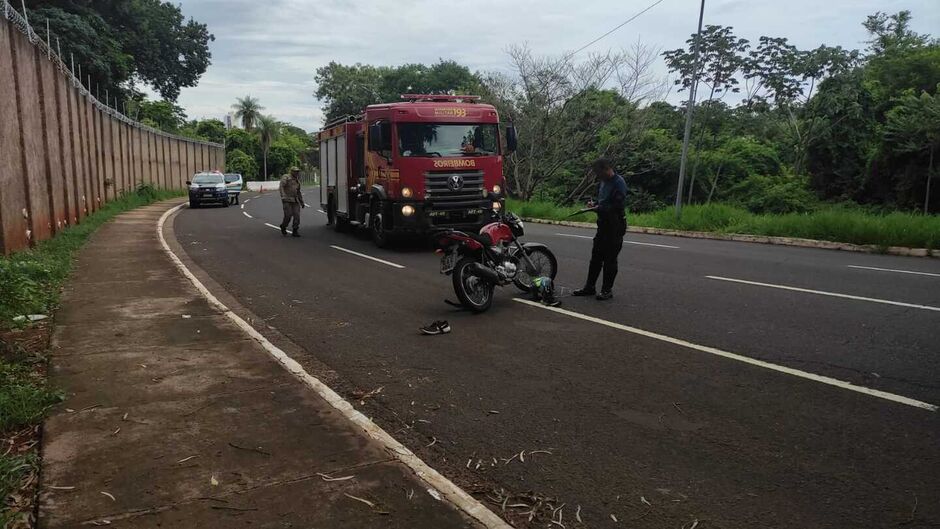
[(891, 32), (237, 161), (248, 110), (163, 115), (211, 130), (347, 90), (721, 57), (269, 129), (913, 126), (123, 42)]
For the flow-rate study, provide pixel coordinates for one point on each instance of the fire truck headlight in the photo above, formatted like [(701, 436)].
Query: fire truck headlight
[(496, 206), (497, 189), (406, 192), (407, 211)]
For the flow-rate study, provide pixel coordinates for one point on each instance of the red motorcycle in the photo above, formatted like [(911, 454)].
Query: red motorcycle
[(494, 257)]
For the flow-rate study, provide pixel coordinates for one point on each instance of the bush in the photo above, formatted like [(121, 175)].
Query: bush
[(773, 194), (642, 201), (237, 161)]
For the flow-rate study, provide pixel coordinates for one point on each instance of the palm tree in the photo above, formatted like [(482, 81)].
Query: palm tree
[(247, 109), (268, 131)]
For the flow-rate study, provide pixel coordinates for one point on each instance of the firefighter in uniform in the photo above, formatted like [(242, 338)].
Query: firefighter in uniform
[(292, 200), (611, 227)]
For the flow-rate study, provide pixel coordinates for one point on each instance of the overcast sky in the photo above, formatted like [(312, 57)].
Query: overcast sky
[(271, 48)]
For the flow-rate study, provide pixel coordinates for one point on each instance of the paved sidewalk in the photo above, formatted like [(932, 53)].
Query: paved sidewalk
[(175, 419)]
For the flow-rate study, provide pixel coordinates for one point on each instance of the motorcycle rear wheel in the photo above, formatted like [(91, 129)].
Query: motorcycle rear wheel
[(542, 258), (474, 292)]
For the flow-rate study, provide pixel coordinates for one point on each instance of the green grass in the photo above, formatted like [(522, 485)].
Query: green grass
[(12, 471), (832, 223), (30, 280), (24, 396)]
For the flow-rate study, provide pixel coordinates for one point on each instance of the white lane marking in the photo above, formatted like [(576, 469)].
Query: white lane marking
[(625, 241), (278, 228), (464, 501), (321, 211), (893, 270), (247, 200), (376, 259), (245, 213), (243, 206), (824, 293), (741, 358)]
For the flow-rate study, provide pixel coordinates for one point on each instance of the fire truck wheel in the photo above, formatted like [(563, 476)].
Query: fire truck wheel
[(380, 235)]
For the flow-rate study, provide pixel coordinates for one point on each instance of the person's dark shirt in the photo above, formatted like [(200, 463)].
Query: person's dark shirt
[(611, 198)]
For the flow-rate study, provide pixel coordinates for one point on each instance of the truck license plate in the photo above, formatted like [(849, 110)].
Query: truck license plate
[(475, 211), (448, 262)]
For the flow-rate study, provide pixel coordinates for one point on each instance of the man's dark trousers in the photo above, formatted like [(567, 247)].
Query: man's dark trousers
[(608, 241), (291, 212)]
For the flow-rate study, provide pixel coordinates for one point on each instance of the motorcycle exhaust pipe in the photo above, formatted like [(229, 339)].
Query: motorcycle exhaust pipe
[(487, 274)]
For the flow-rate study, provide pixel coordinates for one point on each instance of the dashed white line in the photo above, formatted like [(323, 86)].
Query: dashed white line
[(321, 211), (741, 358), (894, 270), (243, 206), (625, 241), (278, 228), (364, 256), (245, 213), (824, 293)]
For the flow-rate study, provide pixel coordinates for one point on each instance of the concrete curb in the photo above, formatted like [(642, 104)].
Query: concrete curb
[(761, 239), (438, 486)]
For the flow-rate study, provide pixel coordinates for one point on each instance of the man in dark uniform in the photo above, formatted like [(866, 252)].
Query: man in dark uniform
[(611, 227), (292, 200)]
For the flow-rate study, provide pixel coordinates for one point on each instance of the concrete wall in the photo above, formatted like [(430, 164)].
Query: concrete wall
[(63, 154)]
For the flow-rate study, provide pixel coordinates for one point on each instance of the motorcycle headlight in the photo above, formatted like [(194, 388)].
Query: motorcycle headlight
[(406, 192), (497, 189), (407, 210), (497, 206)]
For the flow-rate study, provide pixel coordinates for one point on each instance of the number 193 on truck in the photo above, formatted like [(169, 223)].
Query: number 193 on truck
[(428, 162)]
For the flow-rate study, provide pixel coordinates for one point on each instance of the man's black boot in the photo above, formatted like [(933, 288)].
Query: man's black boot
[(295, 233), (284, 231), (586, 291), (605, 295)]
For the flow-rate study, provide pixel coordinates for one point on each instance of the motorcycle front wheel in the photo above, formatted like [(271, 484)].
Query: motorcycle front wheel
[(474, 292), (545, 266)]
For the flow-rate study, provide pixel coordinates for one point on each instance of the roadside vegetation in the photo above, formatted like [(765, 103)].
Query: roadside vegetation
[(836, 223), (30, 284), (829, 143)]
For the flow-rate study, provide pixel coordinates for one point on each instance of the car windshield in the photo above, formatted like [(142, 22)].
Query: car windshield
[(207, 178), (432, 139), (229, 178)]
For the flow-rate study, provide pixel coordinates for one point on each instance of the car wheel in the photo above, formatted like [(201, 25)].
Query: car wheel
[(193, 204), (225, 202)]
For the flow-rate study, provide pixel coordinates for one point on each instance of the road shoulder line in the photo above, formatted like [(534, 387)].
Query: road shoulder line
[(436, 481), (741, 358)]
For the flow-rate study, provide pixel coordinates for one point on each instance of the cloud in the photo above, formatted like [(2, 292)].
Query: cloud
[(272, 49)]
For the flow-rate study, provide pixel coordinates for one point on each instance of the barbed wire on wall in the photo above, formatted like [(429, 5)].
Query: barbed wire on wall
[(20, 21)]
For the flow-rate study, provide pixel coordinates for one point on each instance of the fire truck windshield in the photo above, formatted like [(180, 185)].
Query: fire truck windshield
[(434, 139)]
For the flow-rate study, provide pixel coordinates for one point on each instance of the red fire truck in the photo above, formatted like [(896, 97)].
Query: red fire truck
[(429, 161)]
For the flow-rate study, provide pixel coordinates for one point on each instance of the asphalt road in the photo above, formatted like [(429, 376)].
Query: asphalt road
[(626, 428)]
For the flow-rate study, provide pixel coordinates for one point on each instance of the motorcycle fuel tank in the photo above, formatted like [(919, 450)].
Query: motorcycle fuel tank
[(498, 232)]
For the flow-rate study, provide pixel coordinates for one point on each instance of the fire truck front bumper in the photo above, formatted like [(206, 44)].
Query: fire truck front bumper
[(420, 217)]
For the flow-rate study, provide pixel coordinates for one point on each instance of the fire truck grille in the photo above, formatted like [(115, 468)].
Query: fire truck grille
[(454, 189)]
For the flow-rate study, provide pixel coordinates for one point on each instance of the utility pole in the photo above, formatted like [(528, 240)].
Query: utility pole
[(688, 111)]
